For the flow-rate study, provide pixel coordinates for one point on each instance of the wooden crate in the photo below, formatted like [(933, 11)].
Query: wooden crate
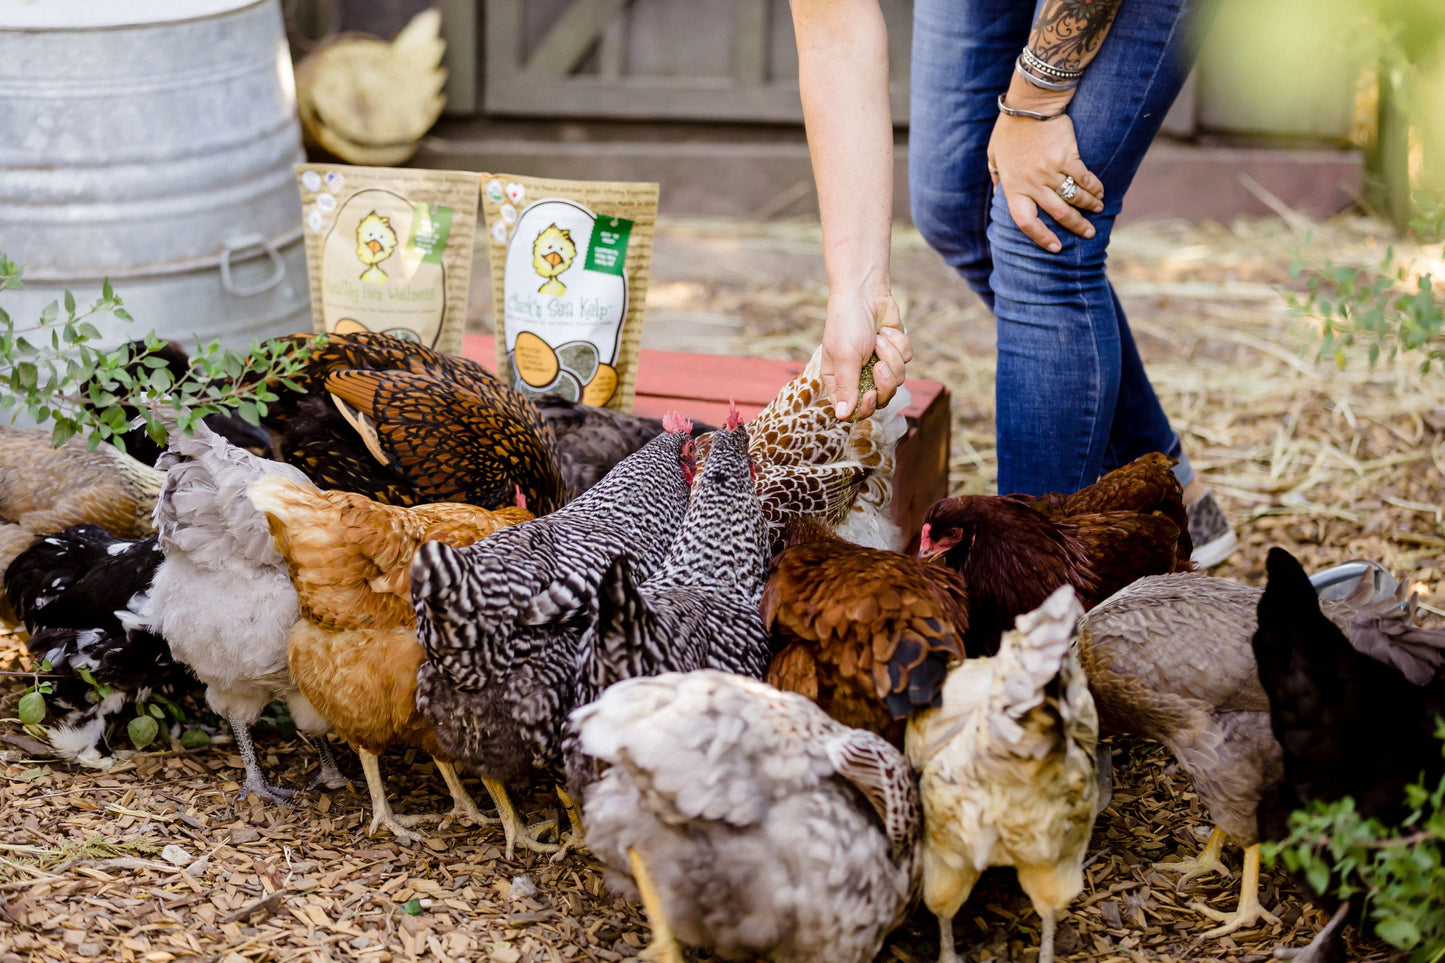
[(701, 385)]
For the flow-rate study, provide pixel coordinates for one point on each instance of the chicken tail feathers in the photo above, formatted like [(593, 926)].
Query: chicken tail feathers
[(875, 769), (617, 646), (1040, 649)]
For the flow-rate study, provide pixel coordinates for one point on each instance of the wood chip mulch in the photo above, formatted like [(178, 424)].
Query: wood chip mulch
[(153, 859)]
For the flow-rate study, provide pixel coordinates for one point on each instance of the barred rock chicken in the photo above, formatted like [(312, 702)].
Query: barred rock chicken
[(1168, 658), (75, 592), (749, 821), (811, 465), (699, 610), (1013, 550), (222, 597), (1007, 771), (501, 620), (403, 424), (867, 634), (592, 440), (354, 652), (1349, 724), (44, 490)]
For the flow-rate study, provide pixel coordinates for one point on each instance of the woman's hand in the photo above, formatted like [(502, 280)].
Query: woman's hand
[(1029, 160), (859, 326)]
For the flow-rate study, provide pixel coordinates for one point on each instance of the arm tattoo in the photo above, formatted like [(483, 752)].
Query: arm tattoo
[(1068, 33)]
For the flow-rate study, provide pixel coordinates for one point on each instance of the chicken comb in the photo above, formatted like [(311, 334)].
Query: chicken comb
[(735, 418), (676, 421), (521, 498)]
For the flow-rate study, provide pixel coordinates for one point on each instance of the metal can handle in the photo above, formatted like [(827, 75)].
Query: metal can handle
[(245, 242)]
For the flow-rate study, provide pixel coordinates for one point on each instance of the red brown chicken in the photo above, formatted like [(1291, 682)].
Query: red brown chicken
[(867, 634), (1014, 550)]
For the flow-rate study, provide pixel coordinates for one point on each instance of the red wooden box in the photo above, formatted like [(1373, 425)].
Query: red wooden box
[(701, 385)]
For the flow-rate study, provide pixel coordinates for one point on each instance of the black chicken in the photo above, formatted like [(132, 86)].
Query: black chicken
[(591, 440), (1350, 725)]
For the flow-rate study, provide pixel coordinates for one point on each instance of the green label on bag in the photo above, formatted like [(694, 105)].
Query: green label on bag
[(607, 252), (430, 226)]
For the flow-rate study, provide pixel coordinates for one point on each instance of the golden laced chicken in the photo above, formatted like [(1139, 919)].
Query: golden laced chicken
[(222, 597), (1007, 771), (811, 465), (395, 421), (699, 609), (1168, 658), (44, 490), (354, 652), (867, 634), (1350, 725), (1014, 550), (749, 822), (500, 621)]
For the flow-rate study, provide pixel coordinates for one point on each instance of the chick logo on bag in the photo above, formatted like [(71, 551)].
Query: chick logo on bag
[(564, 335)]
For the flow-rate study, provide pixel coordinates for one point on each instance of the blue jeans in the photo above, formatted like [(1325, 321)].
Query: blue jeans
[(1072, 397)]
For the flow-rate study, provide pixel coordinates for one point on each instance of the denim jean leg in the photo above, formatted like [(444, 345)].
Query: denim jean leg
[(963, 58), (1140, 425)]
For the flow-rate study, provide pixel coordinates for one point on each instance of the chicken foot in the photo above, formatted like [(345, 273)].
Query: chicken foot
[(255, 782), (330, 775), (1206, 862), (463, 806), (577, 839), (663, 948), (1250, 911), (381, 814), (1321, 947), (512, 826)]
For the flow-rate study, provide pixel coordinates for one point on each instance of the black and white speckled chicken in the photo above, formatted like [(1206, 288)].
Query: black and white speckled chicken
[(592, 440), (403, 424), (501, 620), (699, 610), (223, 598), (78, 592), (748, 820)]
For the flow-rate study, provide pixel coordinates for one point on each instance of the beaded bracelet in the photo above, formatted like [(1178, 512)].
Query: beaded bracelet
[(1042, 68), (1040, 82), (1030, 114)]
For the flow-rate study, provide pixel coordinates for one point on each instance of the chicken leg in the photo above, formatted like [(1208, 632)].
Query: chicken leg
[(664, 948), (381, 814), (946, 952), (1249, 912), (1322, 947), (577, 839), (329, 776), (1206, 862), (462, 803), (512, 826), (255, 782)]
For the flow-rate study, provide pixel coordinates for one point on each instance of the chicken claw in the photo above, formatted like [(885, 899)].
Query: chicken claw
[(1250, 912), (463, 806), (255, 782), (330, 775), (663, 948), (577, 840), (512, 826), (1206, 862)]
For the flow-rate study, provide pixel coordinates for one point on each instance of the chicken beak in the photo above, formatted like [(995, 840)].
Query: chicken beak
[(552, 258), (375, 246)]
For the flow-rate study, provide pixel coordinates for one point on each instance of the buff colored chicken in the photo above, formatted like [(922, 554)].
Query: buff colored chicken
[(811, 465), (1007, 771), (354, 652), (44, 490)]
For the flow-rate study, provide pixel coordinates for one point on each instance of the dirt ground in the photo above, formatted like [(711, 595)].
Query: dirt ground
[(152, 860)]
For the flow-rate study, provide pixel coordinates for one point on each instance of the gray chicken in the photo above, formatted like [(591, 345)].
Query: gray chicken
[(1169, 658), (700, 609), (592, 440), (500, 621), (748, 820), (222, 596)]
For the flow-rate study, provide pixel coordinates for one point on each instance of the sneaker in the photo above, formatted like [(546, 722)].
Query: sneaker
[(1343, 580), (1214, 540)]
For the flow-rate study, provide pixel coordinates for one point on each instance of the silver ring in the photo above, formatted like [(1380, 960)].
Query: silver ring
[(1068, 188), (992, 170)]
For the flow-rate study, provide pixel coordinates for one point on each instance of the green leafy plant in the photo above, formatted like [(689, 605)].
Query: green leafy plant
[(57, 371), (1398, 870), (1381, 308), (31, 708)]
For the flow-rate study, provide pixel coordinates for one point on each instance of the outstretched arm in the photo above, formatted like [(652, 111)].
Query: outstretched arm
[(1030, 158), (843, 80)]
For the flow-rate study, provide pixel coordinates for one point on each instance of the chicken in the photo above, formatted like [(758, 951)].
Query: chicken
[(1007, 771), (1013, 551), (591, 440), (501, 620), (1168, 658), (700, 608), (867, 634), (810, 464), (78, 592), (354, 652), (45, 490), (222, 597), (400, 423), (749, 821), (1349, 724)]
